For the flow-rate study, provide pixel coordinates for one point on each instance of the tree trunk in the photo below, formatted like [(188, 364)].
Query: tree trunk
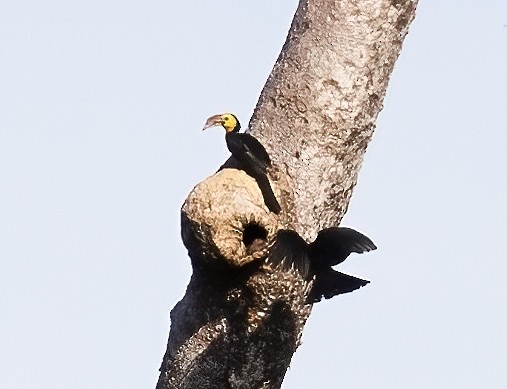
[(241, 319)]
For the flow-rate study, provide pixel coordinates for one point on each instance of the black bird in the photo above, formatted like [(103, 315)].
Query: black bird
[(249, 152), (332, 246)]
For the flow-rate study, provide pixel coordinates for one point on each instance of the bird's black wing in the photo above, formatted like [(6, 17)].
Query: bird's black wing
[(249, 151), (333, 245), (254, 161), (329, 283), (290, 250)]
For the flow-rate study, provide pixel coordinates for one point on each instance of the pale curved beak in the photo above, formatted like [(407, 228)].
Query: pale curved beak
[(215, 120)]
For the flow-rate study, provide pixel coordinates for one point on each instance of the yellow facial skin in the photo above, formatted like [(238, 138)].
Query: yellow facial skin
[(226, 120), (229, 122)]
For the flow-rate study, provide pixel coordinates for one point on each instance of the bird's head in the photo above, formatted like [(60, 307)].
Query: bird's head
[(227, 120)]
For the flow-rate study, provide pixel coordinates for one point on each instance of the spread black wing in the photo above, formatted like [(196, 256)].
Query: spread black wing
[(290, 250), (333, 245)]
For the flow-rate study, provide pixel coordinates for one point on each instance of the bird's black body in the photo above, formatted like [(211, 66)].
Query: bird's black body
[(332, 246), (247, 149), (250, 154), (255, 161)]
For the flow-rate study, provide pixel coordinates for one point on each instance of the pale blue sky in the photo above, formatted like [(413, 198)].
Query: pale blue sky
[(101, 107)]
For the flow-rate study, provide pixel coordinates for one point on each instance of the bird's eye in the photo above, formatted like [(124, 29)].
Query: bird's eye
[(226, 118)]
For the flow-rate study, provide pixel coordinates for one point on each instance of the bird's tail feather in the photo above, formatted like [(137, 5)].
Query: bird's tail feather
[(267, 193), (329, 283)]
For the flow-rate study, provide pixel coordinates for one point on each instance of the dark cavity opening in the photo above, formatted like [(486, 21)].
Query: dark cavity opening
[(253, 232)]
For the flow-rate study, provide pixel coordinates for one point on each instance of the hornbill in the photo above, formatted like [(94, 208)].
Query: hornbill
[(331, 247), (249, 152)]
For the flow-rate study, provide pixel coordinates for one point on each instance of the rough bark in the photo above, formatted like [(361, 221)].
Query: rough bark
[(241, 319)]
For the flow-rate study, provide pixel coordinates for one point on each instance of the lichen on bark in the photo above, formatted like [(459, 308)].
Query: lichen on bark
[(317, 111)]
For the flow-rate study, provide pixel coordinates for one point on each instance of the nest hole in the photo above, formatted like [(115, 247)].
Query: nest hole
[(253, 233)]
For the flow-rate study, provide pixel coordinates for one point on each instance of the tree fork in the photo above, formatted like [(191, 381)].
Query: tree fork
[(241, 320)]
